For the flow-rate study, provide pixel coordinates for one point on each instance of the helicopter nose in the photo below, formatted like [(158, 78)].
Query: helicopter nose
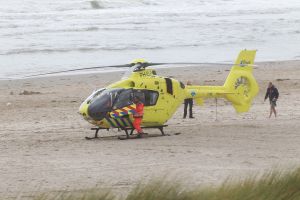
[(96, 113), (98, 109), (83, 109)]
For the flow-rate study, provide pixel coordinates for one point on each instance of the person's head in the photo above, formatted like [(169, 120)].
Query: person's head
[(270, 85), (189, 83), (136, 99)]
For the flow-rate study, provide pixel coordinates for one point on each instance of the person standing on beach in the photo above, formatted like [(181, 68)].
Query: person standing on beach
[(188, 102), (273, 95), (138, 116)]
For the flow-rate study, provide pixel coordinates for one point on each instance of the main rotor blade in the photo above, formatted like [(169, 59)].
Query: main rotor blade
[(80, 69), (130, 65), (195, 63)]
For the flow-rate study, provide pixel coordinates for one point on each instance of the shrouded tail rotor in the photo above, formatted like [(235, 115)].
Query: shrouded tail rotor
[(240, 84)]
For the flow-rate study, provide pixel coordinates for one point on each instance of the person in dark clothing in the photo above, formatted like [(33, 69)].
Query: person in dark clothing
[(188, 102), (273, 95)]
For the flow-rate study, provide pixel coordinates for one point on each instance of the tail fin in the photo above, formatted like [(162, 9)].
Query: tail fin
[(239, 88), (240, 85)]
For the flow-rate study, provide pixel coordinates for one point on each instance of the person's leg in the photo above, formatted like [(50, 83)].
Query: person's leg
[(137, 125), (191, 108), (274, 110), (185, 108), (271, 111)]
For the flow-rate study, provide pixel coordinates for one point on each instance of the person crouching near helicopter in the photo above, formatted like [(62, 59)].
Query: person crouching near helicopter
[(138, 116)]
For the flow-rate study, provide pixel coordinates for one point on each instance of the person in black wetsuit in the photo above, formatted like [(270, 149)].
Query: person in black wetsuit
[(273, 94), (188, 102)]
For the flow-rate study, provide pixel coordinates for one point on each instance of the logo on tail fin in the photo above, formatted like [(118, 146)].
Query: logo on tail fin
[(240, 81), (193, 93), (244, 62)]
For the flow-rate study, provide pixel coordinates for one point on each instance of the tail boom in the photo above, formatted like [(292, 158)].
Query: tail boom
[(239, 88)]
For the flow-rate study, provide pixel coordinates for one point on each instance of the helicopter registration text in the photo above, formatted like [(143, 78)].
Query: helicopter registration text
[(146, 73)]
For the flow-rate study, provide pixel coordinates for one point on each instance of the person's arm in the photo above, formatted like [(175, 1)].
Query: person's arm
[(267, 94), (139, 110), (276, 93)]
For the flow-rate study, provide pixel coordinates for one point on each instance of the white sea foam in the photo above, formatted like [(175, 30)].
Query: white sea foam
[(42, 36)]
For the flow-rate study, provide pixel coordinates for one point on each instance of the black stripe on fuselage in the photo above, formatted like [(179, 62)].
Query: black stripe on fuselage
[(124, 122), (118, 123), (129, 122), (110, 122)]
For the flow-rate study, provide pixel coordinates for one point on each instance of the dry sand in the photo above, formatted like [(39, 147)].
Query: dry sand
[(43, 148)]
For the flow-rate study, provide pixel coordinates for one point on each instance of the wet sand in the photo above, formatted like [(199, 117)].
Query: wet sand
[(43, 148)]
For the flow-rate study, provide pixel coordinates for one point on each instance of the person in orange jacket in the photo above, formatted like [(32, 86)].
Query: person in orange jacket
[(138, 115)]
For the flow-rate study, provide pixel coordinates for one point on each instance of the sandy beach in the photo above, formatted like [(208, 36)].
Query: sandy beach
[(43, 148)]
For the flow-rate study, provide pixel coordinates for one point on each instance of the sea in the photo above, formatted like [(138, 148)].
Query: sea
[(41, 36)]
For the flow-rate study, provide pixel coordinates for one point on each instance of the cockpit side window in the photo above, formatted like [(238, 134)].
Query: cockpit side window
[(140, 94), (124, 99), (152, 98), (148, 97)]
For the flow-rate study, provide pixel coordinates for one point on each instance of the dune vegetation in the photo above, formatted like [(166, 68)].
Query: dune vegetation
[(273, 185)]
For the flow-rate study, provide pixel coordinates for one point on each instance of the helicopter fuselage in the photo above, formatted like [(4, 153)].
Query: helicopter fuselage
[(112, 107)]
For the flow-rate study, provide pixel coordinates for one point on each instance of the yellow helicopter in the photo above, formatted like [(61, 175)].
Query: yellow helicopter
[(112, 106)]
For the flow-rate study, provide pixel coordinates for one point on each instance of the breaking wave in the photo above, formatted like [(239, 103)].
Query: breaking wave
[(102, 4), (36, 32)]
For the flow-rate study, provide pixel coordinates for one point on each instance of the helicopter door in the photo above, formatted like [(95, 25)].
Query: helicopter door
[(140, 94), (148, 97), (124, 99), (151, 97), (152, 109)]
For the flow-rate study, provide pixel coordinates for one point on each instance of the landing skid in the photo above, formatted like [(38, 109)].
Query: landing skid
[(124, 137), (96, 133), (126, 130)]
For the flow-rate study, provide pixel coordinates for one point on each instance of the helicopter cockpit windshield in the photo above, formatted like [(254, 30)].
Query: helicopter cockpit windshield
[(101, 102), (106, 100)]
